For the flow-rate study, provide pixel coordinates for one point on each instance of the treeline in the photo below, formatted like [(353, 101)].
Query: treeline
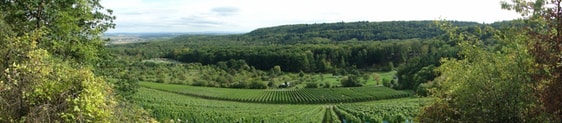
[(335, 32), (360, 31), (315, 58)]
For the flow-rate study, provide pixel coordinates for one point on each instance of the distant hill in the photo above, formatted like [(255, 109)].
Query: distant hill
[(341, 31), (361, 31)]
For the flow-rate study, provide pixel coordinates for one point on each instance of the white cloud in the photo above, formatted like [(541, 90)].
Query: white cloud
[(246, 15)]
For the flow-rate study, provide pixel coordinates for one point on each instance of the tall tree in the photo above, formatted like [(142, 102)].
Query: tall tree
[(486, 85), (74, 26), (519, 83), (544, 25), (48, 49)]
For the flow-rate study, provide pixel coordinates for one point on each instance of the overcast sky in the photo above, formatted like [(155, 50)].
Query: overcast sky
[(247, 15)]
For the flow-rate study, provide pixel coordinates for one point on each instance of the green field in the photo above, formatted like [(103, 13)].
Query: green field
[(394, 110), (166, 106), (283, 96)]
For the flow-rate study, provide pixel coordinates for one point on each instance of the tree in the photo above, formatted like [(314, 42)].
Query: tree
[(301, 74), (352, 81), (49, 49), (424, 75), (386, 83), (74, 26), (276, 71), (128, 85), (36, 87), (311, 85), (377, 78), (486, 85), (391, 66), (255, 84), (544, 25)]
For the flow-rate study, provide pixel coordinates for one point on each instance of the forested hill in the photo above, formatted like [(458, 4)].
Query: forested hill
[(341, 31), (325, 33), (361, 31)]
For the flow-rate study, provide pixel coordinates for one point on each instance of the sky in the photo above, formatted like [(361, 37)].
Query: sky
[(246, 15)]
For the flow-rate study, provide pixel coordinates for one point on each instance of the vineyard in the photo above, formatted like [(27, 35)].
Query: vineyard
[(169, 106), (394, 111), (166, 106), (283, 96)]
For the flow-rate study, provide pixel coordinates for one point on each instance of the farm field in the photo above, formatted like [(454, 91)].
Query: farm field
[(166, 107), (283, 96)]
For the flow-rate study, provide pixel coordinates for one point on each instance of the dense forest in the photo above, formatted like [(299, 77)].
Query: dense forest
[(361, 31)]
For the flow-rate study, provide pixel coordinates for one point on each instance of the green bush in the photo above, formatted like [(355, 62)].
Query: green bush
[(311, 85)]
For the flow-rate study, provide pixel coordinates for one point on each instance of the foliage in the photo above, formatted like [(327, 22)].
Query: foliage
[(257, 85), (486, 85), (341, 31), (74, 26), (307, 57), (387, 83), (50, 49), (544, 26), (311, 85), (352, 81), (420, 69), (128, 111), (38, 88), (517, 81)]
